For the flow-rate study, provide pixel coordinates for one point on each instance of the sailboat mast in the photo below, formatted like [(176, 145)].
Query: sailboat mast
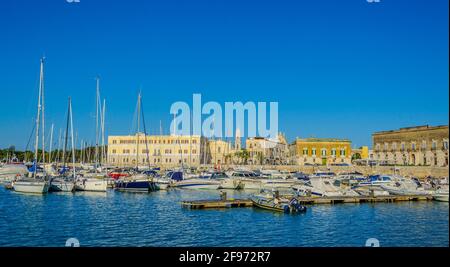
[(43, 117), (36, 145), (66, 136), (96, 121), (51, 145), (138, 129), (103, 132), (73, 143)]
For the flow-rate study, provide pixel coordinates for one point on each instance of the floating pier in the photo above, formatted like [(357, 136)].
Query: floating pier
[(217, 204), (238, 203), (362, 199)]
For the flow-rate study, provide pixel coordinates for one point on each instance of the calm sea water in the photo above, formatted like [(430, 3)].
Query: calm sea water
[(157, 219)]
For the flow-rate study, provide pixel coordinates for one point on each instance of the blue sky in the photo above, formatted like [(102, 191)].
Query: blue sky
[(339, 69)]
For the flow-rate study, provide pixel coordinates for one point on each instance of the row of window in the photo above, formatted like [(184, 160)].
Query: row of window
[(127, 160), (155, 152), (413, 146), (324, 152), (153, 141)]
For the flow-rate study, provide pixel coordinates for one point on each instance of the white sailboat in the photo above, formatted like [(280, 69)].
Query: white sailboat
[(94, 184), (64, 183), (34, 185)]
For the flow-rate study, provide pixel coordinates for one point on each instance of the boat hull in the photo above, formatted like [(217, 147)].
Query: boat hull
[(93, 185), (62, 186), (136, 186), (31, 187)]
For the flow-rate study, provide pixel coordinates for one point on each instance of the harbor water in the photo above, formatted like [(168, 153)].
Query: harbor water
[(157, 219)]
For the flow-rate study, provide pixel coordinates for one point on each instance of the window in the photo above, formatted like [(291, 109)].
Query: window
[(434, 145), (413, 146), (313, 151), (324, 152), (446, 144), (333, 151), (305, 151), (342, 151)]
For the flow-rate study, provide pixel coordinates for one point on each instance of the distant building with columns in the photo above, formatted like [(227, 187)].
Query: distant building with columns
[(420, 145)]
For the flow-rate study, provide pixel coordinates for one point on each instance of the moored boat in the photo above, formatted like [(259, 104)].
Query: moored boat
[(277, 204)]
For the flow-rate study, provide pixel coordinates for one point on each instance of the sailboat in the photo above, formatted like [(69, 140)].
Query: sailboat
[(64, 183), (94, 184), (36, 185), (138, 182)]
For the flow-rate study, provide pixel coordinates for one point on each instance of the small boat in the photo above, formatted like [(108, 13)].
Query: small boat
[(441, 195), (277, 204)]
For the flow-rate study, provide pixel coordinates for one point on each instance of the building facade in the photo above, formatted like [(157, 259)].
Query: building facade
[(159, 150), (219, 152), (266, 151), (420, 145), (320, 151)]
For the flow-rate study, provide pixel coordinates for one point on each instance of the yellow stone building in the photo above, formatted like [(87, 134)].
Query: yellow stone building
[(420, 145), (320, 151), (219, 152), (157, 150), (265, 151)]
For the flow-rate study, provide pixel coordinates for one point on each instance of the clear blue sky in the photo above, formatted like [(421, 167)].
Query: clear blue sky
[(339, 69)]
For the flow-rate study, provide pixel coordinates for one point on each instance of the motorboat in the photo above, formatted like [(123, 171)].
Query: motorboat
[(376, 180), (441, 195), (249, 179), (9, 171), (323, 187), (278, 204), (227, 182), (405, 186)]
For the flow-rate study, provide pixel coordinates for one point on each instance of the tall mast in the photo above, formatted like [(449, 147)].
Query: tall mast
[(138, 129), (51, 144), (96, 121), (73, 143), (103, 132), (43, 116), (36, 145), (66, 136)]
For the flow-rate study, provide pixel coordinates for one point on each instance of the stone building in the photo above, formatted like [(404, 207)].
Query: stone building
[(159, 150), (220, 152), (266, 151), (320, 151), (420, 145)]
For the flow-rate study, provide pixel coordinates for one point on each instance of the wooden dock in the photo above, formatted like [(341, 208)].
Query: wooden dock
[(361, 199), (217, 204), (238, 203)]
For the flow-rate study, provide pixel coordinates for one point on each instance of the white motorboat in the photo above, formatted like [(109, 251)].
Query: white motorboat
[(31, 185), (10, 171), (322, 187), (249, 179), (441, 195), (404, 186), (198, 183), (371, 191)]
